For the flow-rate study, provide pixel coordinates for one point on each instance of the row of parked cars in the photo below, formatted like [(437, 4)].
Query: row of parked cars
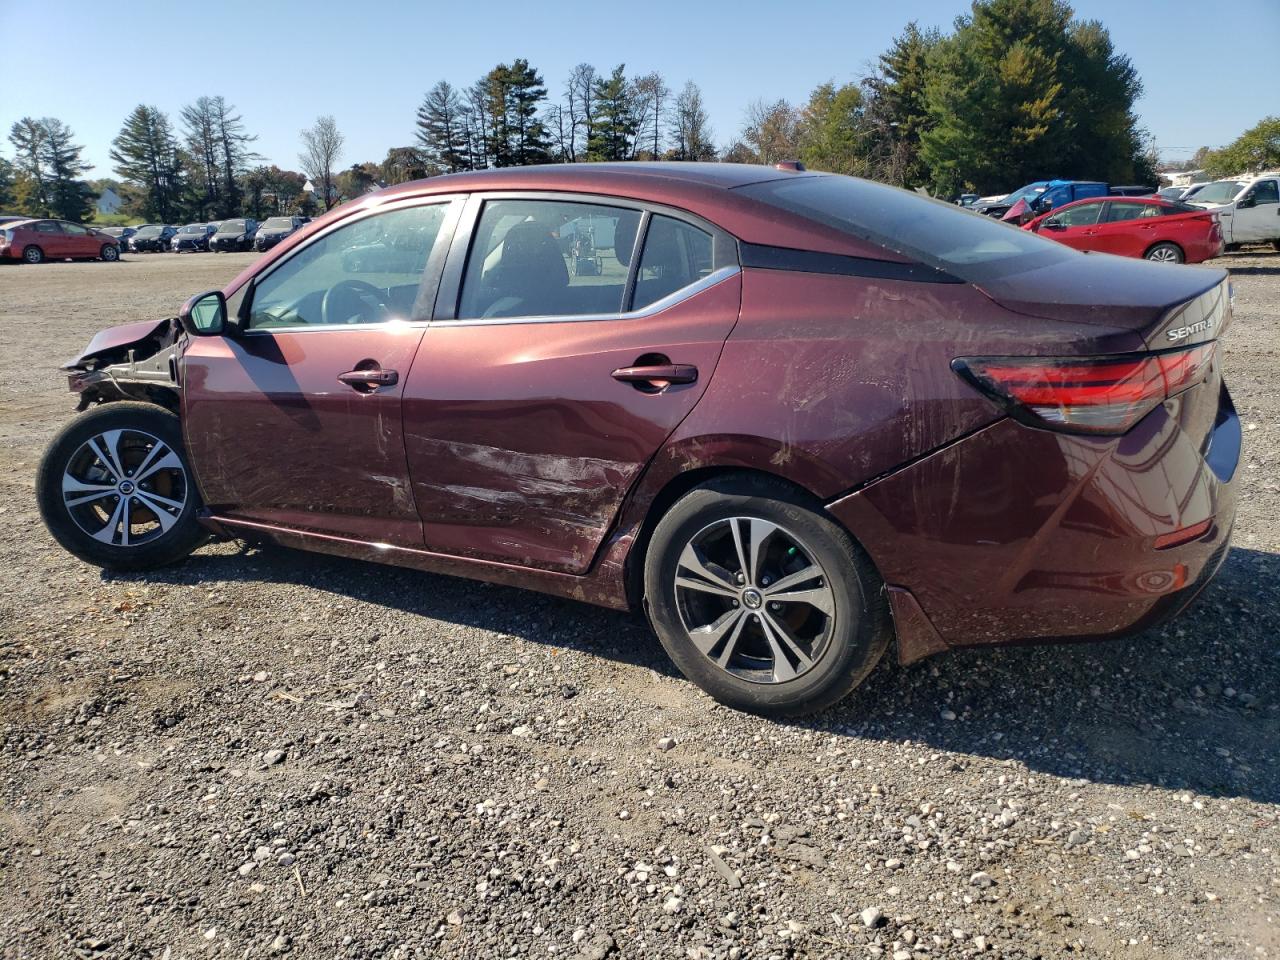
[(34, 240), (1187, 224), (236, 234)]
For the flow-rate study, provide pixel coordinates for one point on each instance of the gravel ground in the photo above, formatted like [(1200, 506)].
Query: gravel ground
[(264, 752)]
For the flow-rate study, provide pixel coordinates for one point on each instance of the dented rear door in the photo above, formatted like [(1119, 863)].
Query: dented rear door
[(525, 433)]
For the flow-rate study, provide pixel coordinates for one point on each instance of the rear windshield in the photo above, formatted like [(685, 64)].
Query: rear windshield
[(965, 244), (231, 226)]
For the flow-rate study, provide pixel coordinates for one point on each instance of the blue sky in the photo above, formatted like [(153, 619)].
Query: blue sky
[(1208, 75)]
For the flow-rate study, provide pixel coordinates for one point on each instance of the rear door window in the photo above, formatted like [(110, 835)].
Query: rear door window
[(676, 254), (548, 258), (1119, 211)]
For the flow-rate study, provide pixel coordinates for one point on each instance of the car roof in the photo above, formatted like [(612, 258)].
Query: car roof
[(703, 189)]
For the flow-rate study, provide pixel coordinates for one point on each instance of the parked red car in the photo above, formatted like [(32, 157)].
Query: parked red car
[(1149, 227), (34, 241), (791, 416)]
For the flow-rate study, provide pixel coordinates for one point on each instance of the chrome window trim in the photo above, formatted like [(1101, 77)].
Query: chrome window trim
[(338, 327), (670, 300)]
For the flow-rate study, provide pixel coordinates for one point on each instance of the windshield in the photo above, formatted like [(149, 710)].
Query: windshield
[(278, 223), (231, 226), (1026, 193), (193, 228), (960, 242), (145, 232), (1222, 191)]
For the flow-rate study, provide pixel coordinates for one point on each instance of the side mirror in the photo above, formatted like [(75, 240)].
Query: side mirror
[(205, 314), (1053, 223), (1244, 203)]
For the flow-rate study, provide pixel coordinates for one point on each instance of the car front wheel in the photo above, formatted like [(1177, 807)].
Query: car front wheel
[(115, 488), (762, 600), (110, 252)]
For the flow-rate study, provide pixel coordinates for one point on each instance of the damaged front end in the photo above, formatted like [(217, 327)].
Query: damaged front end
[(136, 361)]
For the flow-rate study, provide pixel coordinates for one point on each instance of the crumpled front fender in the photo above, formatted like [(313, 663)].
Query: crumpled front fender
[(116, 340)]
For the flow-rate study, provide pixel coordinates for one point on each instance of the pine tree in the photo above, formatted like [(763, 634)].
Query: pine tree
[(613, 125), (146, 152), (201, 134), (70, 198), (833, 132), (529, 140), (441, 129), (896, 112), (27, 137), (8, 198), (234, 153)]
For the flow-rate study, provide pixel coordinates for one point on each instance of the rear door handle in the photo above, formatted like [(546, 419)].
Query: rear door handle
[(369, 379), (668, 372)]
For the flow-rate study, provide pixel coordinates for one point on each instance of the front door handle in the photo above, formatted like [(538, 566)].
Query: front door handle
[(367, 380), (658, 373)]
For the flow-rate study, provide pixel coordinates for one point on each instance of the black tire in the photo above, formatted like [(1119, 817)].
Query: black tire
[(1275, 245), (67, 521), (853, 639), (1165, 252), (32, 254), (110, 252)]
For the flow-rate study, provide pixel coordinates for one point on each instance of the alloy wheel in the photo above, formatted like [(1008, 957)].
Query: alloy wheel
[(754, 599), (1163, 255), (125, 487)]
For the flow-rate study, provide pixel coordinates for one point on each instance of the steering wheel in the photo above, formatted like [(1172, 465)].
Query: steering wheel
[(346, 301)]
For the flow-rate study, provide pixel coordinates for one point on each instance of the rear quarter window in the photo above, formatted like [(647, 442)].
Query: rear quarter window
[(967, 245)]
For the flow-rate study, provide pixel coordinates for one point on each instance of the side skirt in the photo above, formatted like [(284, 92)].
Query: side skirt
[(599, 587)]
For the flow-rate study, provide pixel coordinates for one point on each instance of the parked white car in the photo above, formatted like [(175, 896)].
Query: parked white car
[(1248, 208)]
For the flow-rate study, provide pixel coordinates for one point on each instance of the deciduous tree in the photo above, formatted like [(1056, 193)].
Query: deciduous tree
[(1257, 149), (321, 149)]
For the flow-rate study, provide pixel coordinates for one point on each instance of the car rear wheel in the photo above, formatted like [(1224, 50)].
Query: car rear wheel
[(762, 600), (1165, 253), (115, 488), (110, 252), (33, 254)]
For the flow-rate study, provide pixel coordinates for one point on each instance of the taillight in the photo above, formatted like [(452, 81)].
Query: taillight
[(1086, 395)]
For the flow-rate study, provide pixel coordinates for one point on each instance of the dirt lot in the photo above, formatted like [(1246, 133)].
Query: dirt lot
[(269, 753)]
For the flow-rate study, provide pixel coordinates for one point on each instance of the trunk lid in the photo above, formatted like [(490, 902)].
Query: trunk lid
[(1120, 292)]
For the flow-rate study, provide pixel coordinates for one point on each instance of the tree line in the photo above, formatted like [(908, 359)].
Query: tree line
[(1017, 90)]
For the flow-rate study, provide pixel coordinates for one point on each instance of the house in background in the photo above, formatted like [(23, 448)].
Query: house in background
[(109, 202)]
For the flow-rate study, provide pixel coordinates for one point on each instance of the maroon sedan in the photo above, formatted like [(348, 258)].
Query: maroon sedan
[(1149, 227), (34, 241), (793, 417)]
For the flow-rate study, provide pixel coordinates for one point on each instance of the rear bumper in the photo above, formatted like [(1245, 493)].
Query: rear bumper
[(1021, 535)]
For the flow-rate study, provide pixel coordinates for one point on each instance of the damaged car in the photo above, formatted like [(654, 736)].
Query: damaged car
[(796, 419)]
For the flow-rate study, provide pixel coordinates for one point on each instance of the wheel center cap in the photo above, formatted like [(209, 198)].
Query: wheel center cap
[(126, 487), (751, 599)]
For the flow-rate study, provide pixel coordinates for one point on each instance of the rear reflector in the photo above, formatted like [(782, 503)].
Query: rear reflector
[(1106, 395)]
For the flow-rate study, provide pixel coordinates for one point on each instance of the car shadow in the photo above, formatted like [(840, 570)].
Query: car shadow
[(1253, 271), (1193, 705)]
